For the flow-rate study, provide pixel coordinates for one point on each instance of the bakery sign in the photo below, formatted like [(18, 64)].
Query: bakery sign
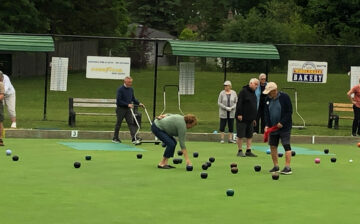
[(307, 71)]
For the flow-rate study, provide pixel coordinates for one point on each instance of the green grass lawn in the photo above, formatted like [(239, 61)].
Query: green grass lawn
[(312, 105), (115, 187)]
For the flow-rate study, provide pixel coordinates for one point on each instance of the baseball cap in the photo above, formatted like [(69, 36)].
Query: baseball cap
[(270, 87), (227, 83)]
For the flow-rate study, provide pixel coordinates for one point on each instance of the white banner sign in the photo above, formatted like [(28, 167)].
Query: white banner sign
[(307, 71), (187, 78), (355, 76), (107, 67), (59, 74)]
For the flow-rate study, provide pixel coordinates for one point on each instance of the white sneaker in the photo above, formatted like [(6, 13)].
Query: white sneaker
[(222, 141), (13, 125)]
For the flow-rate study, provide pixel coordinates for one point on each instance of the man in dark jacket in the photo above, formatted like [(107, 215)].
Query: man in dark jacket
[(278, 112), (246, 111), (125, 99)]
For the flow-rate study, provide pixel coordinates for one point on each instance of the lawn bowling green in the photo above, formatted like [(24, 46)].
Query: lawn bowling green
[(115, 187)]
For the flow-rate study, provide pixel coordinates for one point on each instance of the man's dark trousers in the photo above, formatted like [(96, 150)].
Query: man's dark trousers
[(121, 113)]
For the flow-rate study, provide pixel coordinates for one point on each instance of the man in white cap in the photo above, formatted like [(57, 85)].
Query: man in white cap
[(278, 112)]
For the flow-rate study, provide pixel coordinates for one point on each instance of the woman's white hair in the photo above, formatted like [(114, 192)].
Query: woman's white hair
[(262, 75)]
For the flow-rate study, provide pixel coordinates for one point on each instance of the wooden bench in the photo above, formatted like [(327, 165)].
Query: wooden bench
[(339, 107), (89, 103)]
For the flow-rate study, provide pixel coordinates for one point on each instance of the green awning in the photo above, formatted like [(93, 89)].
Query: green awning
[(26, 43), (221, 49)]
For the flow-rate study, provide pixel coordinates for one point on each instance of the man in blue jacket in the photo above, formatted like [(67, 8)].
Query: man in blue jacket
[(278, 112), (125, 99)]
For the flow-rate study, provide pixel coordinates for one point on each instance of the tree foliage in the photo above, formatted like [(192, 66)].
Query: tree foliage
[(89, 17), (339, 21), (280, 21), (20, 17), (188, 34), (158, 14), (268, 21)]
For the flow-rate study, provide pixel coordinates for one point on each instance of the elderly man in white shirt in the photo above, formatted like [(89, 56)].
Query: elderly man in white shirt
[(10, 98)]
